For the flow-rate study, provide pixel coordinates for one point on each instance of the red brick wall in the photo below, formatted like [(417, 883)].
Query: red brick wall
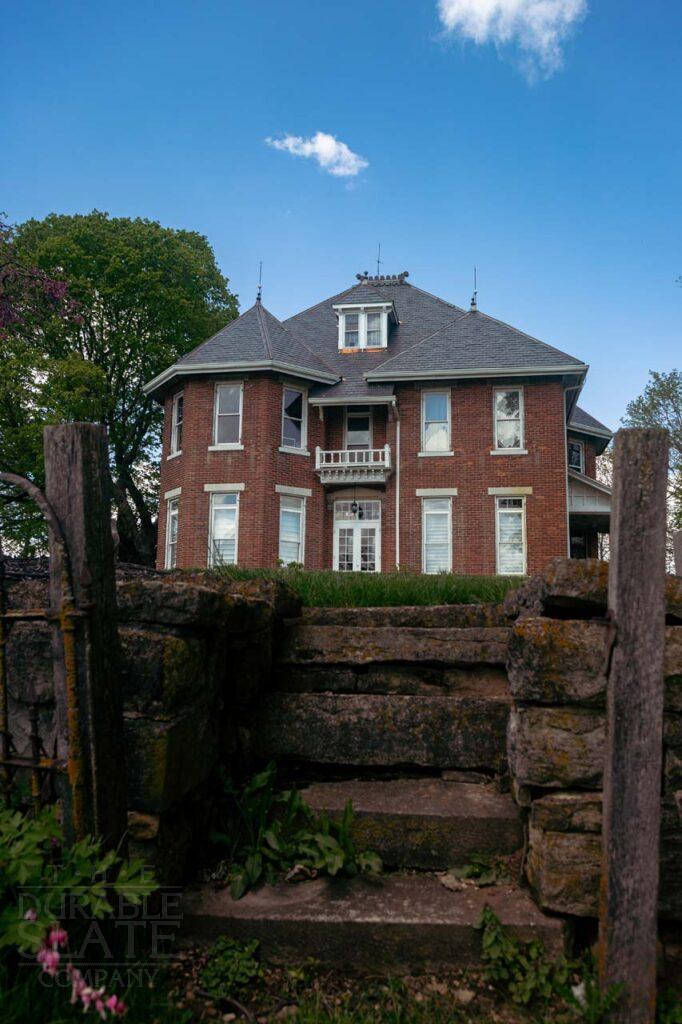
[(472, 470)]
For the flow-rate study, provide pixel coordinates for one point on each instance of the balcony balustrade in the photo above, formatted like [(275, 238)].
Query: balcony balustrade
[(353, 465)]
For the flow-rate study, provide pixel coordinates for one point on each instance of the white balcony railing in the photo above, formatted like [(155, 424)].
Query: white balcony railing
[(350, 465)]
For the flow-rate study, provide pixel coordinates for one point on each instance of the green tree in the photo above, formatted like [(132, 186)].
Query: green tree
[(144, 295), (660, 405)]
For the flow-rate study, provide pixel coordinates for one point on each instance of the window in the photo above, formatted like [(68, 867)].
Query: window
[(576, 456), (228, 415), (437, 534), (511, 536), (358, 427), (508, 419), (293, 419), (291, 529), (363, 328), (176, 424), (435, 421), (223, 529), (172, 533), (351, 330)]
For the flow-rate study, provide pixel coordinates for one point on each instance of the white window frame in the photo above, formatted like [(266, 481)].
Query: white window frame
[(439, 512), (302, 520), (350, 413), (172, 511), (521, 449), (174, 448), (448, 405), (581, 445), (357, 525), (303, 450), (227, 445), (218, 491), (362, 312), (522, 509)]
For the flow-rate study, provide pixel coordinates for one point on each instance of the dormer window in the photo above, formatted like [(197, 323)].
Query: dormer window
[(363, 326)]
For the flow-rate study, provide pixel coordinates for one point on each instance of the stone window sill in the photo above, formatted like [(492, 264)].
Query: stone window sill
[(226, 447), (173, 455), (294, 451), (434, 455), (510, 451)]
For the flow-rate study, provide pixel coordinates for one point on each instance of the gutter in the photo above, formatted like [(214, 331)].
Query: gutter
[(477, 371), (196, 369)]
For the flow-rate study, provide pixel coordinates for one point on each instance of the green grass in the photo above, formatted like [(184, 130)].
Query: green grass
[(373, 590)]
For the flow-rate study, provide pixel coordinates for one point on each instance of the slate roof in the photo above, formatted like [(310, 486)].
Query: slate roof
[(582, 420), (257, 336)]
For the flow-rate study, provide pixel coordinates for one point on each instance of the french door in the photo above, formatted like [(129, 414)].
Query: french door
[(357, 536)]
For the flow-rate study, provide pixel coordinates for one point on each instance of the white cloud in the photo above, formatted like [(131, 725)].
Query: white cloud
[(537, 27), (332, 156)]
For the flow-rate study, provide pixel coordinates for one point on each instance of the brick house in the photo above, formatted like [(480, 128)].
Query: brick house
[(382, 428)]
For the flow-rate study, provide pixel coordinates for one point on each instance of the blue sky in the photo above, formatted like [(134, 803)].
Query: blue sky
[(561, 181)]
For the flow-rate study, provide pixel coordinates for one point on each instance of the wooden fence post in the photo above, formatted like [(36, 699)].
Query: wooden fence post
[(632, 774), (77, 488)]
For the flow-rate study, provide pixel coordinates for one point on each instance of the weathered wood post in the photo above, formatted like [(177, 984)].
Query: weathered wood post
[(89, 703), (677, 551), (632, 773)]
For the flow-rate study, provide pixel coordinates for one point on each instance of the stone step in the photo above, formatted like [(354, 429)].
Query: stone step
[(453, 616), (383, 729), (423, 823), (388, 922), (359, 645), (472, 681)]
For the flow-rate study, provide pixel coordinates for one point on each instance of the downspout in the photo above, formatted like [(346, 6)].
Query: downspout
[(572, 387), (397, 487)]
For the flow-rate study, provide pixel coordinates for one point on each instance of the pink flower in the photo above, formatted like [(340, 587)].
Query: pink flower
[(57, 937), (49, 958), (116, 1006), (30, 915)]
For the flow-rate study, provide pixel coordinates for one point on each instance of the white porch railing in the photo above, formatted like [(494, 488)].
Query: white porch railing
[(353, 465)]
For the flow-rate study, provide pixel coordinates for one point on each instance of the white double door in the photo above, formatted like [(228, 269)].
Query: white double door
[(357, 541)]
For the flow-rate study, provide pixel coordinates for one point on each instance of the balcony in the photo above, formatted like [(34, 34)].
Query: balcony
[(353, 466)]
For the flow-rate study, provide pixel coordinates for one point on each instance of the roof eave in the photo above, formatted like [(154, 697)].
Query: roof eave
[(357, 400), (591, 431), (478, 371), (589, 481), (199, 369)]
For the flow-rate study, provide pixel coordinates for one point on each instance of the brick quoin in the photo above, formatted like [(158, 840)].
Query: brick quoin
[(471, 469)]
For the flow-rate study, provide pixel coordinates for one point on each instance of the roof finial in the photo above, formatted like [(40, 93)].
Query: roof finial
[(379, 261), (474, 305), (259, 293)]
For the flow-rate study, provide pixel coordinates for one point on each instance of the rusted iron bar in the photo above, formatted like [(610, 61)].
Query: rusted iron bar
[(632, 771)]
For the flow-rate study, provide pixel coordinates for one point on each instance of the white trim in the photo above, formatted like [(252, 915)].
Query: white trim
[(233, 488), (340, 307), (173, 500), (426, 513), (524, 538), (434, 455), (223, 488), (590, 432), (293, 451), (345, 425), (436, 492), (173, 455), (522, 420), (589, 481), (362, 311), (220, 445), (192, 370), (509, 451), (174, 493), (302, 526), (448, 408), (510, 492), (174, 450), (293, 492), (360, 400), (226, 448), (581, 444), (290, 449), (357, 525), (477, 371)]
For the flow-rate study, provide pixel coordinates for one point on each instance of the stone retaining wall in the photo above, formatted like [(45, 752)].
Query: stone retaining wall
[(556, 668), (195, 652)]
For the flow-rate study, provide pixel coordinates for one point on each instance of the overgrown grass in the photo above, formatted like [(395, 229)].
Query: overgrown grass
[(373, 590)]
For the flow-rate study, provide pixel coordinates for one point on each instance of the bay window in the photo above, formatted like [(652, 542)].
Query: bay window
[(510, 533), (291, 529), (223, 530), (508, 416), (435, 421), (436, 535), (227, 428)]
